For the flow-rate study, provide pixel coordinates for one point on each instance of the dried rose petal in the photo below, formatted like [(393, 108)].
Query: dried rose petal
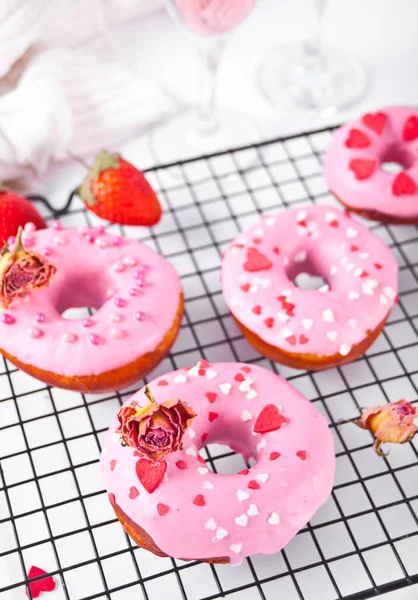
[(21, 271), (396, 422), (156, 429)]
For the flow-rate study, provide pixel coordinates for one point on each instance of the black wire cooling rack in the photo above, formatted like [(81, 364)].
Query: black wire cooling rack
[(54, 512)]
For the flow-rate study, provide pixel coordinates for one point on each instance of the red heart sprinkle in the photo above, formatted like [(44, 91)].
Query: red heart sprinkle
[(239, 377), (203, 363), (334, 223), (150, 474), (269, 322), (256, 240), (245, 287), (253, 485), (201, 459), (212, 416), (375, 121), (133, 493), (211, 396), (274, 455), (113, 464), (162, 509), (410, 129), (257, 310), (269, 419), (291, 340), (303, 339), (403, 184), (41, 585), (199, 500), (276, 250), (378, 266), (181, 464), (162, 382), (246, 369), (202, 372), (357, 139), (112, 499), (354, 248), (301, 454), (362, 168), (364, 274), (256, 261), (204, 437), (243, 472)]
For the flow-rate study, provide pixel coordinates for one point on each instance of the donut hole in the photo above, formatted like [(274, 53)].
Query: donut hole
[(396, 158), (81, 295), (306, 275), (223, 460), (227, 457)]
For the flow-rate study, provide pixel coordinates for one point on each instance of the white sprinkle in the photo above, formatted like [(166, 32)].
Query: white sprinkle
[(324, 288), (262, 477), (307, 323), (211, 524), (353, 295), (345, 349), (350, 266), (191, 451), (351, 232), (328, 315), (208, 485), (343, 260), (221, 533), (282, 316), (367, 288), (225, 388), (287, 332), (363, 255), (242, 278), (258, 232), (332, 335), (236, 548), (300, 256), (274, 519), (352, 323), (261, 445), (285, 261), (211, 374), (270, 221), (252, 394), (333, 270), (244, 386), (192, 433), (233, 302), (301, 216), (242, 495), (180, 378), (383, 299), (253, 510), (246, 416), (203, 470), (287, 293), (390, 292), (358, 272), (330, 217), (302, 230), (194, 371), (242, 520)]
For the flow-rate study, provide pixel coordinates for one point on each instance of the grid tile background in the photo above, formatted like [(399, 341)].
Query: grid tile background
[(54, 512)]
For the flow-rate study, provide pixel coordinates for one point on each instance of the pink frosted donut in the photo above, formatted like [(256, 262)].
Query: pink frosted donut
[(195, 513), (309, 329), (139, 303), (353, 165)]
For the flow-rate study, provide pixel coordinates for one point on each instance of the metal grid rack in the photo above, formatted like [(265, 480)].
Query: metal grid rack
[(54, 512)]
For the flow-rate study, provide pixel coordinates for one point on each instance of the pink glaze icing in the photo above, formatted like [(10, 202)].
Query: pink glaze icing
[(34, 331), (213, 17), (359, 269), (390, 135), (293, 474)]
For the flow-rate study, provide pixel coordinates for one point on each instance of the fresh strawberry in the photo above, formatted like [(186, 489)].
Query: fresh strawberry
[(15, 212), (117, 191)]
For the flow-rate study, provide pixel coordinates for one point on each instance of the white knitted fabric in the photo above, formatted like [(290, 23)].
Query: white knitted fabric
[(62, 88)]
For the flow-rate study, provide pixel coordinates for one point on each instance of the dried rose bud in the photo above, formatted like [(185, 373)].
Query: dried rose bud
[(396, 422), (156, 429), (21, 271)]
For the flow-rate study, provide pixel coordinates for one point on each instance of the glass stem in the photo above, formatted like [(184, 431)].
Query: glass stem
[(210, 52), (313, 45)]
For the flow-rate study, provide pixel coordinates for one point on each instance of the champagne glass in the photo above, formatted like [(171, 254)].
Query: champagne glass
[(312, 74), (205, 128)]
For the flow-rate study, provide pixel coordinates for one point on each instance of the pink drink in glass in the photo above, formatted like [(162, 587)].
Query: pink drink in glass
[(213, 17)]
